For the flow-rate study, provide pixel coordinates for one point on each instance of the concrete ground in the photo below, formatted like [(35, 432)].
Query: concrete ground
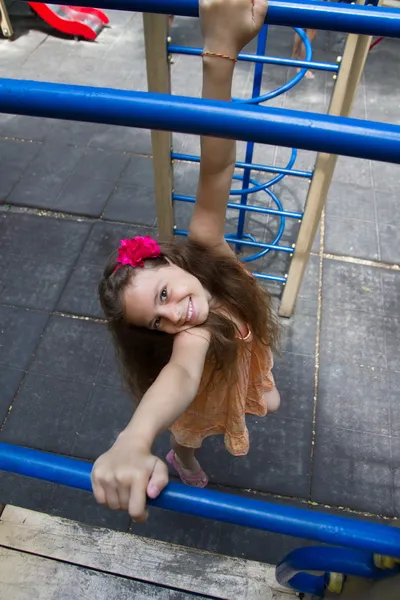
[(69, 191)]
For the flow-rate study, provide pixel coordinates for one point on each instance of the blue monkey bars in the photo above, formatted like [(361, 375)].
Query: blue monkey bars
[(311, 131), (332, 16), (360, 539)]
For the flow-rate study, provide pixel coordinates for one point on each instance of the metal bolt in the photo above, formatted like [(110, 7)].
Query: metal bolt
[(169, 39), (294, 245), (334, 77), (339, 59), (5, 31), (170, 59)]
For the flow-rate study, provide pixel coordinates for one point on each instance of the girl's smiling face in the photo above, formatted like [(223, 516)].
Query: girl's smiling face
[(167, 299)]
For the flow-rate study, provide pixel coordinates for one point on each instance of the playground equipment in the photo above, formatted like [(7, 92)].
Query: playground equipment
[(366, 548), (80, 22)]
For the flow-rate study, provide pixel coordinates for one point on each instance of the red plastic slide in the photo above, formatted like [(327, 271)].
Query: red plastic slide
[(81, 22)]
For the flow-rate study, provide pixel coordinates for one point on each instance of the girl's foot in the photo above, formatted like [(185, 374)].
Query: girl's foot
[(191, 474), (308, 74)]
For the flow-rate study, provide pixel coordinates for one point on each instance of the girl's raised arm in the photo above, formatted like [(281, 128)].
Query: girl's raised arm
[(227, 25)]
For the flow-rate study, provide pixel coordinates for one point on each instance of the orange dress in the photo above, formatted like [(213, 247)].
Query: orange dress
[(222, 409)]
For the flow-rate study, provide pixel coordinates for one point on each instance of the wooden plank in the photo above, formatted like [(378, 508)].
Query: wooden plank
[(26, 577), (151, 561), (5, 22), (159, 80)]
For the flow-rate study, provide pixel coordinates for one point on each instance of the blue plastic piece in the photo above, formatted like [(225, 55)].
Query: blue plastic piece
[(332, 16), (215, 505), (295, 129), (292, 570)]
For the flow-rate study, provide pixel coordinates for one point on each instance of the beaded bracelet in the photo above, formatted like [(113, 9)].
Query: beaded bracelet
[(206, 53)]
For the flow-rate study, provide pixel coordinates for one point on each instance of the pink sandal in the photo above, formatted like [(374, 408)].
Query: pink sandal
[(199, 480)]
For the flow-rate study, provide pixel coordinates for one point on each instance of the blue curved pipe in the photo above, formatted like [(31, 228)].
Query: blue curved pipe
[(211, 504)]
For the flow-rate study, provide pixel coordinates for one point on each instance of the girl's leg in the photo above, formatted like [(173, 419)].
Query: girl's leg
[(273, 400), (299, 50), (185, 463)]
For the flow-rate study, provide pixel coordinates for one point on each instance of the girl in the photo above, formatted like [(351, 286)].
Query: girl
[(193, 329)]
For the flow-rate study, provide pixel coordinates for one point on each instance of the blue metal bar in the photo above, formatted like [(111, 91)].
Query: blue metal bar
[(290, 572), (249, 207), (266, 277), (266, 60), (280, 127), (254, 167), (334, 16), (233, 240), (210, 504), (257, 82)]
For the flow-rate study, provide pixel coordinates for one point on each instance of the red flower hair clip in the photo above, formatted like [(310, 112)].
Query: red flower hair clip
[(135, 251)]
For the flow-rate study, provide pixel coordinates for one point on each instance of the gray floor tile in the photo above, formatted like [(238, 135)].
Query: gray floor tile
[(389, 237), (25, 492), (351, 237), (108, 412), (25, 128), (122, 139), (80, 296), (71, 349), (60, 239), (352, 337), (138, 172), (10, 380), (392, 334), (30, 283), (15, 157), (102, 165), (20, 332), (353, 287), (84, 196), (394, 398), (47, 176), (132, 204), (110, 372), (353, 397), (351, 201), (294, 377), (53, 407), (391, 291), (388, 208), (353, 170), (386, 176), (299, 332), (73, 133), (353, 469)]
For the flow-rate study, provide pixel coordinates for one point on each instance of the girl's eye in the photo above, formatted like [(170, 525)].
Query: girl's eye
[(163, 295), (157, 323)]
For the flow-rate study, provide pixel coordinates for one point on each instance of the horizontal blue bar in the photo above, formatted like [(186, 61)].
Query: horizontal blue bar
[(267, 60), (280, 127), (332, 16), (253, 167), (233, 240), (210, 504), (244, 207), (277, 278)]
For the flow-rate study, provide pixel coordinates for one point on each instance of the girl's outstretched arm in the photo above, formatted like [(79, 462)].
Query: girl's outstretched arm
[(128, 472), (227, 25)]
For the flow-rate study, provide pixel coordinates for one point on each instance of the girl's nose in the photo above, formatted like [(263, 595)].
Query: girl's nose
[(171, 312)]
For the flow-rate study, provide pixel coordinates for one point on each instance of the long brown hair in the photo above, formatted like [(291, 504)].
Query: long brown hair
[(144, 352)]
